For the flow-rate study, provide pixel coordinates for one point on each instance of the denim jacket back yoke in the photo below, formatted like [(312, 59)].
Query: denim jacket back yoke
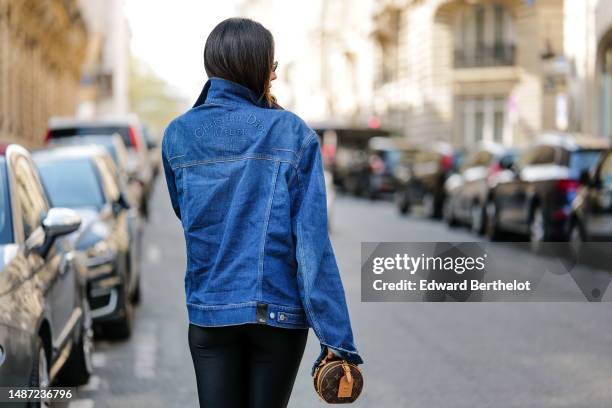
[(247, 184)]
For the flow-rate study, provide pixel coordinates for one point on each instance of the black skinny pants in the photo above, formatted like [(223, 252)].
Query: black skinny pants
[(246, 366)]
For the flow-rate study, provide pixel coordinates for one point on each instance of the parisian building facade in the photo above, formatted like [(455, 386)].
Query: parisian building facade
[(462, 71), (60, 58), (470, 71), (42, 48), (588, 44)]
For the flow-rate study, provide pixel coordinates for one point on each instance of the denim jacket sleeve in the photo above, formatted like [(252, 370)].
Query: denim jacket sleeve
[(319, 280), (169, 173)]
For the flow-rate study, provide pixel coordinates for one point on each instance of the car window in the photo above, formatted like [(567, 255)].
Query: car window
[(113, 144), (485, 159), (407, 157), (32, 202), (582, 160), (123, 131), (391, 157), (109, 178), (482, 158), (425, 157), (468, 162), (544, 155), (524, 158), (538, 155), (82, 189), (605, 171), (6, 225)]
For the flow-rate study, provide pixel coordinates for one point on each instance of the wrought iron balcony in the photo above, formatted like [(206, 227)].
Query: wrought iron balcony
[(485, 56)]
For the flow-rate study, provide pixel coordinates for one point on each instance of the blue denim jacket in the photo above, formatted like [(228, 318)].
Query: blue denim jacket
[(247, 183)]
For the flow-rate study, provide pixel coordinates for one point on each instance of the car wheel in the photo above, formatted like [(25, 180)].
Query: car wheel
[(350, 185), (493, 231), (137, 295), (122, 328), (401, 202), (372, 193), (537, 229), (39, 375), (477, 218), (448, 214), (144, 208), (576, 235), (79, 367), (429, 205)]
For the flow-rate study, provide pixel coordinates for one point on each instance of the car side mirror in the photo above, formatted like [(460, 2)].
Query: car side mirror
[(151, 144), (120, 204), (515, 169), (57, 222), (506, 164), (60, 221)]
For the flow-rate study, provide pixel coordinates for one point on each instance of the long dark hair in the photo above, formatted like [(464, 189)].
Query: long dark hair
[(242, 51)]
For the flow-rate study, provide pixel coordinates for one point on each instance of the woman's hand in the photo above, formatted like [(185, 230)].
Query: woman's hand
[(331, 355)]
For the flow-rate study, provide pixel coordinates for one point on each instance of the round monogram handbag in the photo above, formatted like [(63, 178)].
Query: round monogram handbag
[(338, 381)]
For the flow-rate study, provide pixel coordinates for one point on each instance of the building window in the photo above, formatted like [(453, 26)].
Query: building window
[(479, 125), (498, 24), (498, 126), (484, 36), (387, 33), (480, 27), (483, 119)]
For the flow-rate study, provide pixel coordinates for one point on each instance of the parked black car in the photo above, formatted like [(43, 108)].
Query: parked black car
[(371, 172), (116, 148), (111, 236), (592, 207), (423, 185), (45, 321), (153, 150), (468, 190), (534, 197), (130, 129), (345, 152), (113, 144)]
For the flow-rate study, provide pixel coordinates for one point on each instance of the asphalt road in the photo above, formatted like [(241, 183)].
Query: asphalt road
[(417, 354)]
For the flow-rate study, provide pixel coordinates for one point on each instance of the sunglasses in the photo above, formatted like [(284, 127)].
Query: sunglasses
[(274, 66)]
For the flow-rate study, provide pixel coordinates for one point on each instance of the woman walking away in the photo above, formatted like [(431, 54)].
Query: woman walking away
[(245, 179)]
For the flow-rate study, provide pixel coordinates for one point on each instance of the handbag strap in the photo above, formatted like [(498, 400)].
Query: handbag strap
[(347, 371)]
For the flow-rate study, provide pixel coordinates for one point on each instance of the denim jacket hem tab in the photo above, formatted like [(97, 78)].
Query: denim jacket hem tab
[(228, 315)]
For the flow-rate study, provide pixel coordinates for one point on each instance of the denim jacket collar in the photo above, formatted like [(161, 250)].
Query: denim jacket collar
[(224, 91)]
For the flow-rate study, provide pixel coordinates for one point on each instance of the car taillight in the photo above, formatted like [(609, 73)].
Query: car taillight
[(494, 169), (446, 162), (567, 186), (328, 151), (133, 138), (568, 189), (562, 213), (377, 165), (48, 136)]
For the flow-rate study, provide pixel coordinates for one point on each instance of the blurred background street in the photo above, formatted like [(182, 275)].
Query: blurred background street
[(439, 120), (417, 354)]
